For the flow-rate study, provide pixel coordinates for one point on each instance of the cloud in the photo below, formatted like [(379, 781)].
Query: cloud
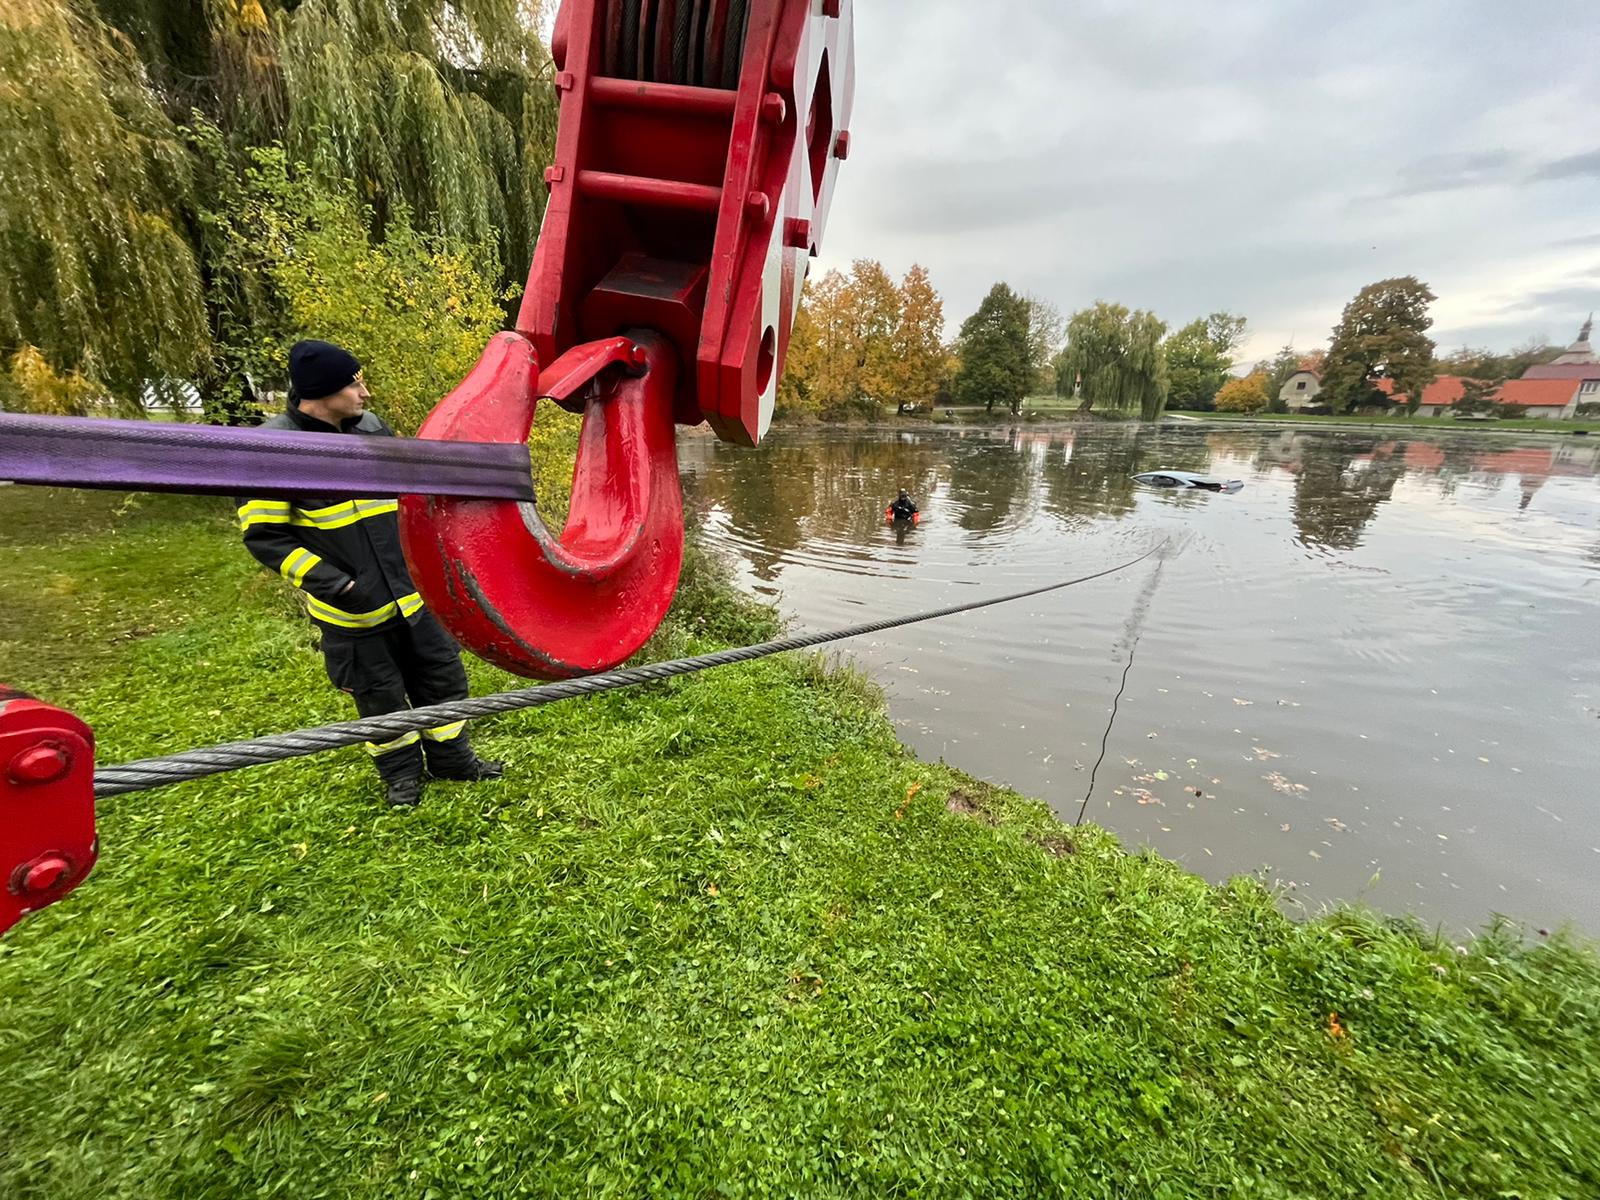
[(1191, 158), (1581, 240), (1447, 172), (1574, 166)]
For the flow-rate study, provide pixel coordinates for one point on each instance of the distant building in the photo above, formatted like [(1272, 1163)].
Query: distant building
[(1439, 395), (1300, 390), (1577, 362), (1556, 399), (1552, 390)]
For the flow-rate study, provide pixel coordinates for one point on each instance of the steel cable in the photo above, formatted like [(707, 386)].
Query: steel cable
[(146, 773)]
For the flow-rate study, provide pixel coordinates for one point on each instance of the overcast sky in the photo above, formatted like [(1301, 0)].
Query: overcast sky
[(1267, 158)]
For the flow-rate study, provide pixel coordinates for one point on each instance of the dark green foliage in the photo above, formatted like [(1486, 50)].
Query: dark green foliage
[(1199, 357), (996, 354), (1381, 335), (1477, 363)]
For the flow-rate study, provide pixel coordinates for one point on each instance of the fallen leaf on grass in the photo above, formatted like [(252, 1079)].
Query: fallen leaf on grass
[(1335, 1030), (712, 890), (900, 813)]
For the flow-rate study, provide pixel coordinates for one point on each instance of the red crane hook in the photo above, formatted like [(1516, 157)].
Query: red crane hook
[(510, 591)]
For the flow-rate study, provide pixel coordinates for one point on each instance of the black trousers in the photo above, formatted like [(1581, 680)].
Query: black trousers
[(404, 665)]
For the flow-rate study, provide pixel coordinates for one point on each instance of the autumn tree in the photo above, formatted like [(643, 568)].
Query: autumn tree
[(1199, 357), (1115, 358), (872, 312), (1247, 395), (996, 358), (917, 355), (842, 354), (1382, 334), (797, 398)]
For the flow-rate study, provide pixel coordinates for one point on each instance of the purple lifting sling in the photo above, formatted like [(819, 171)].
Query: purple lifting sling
[(210, 459)]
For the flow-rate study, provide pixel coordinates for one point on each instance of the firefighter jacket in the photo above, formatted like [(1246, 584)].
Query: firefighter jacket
[(343, 555)]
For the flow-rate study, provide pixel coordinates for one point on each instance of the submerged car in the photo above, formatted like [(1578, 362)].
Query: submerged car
[(1189, 479)]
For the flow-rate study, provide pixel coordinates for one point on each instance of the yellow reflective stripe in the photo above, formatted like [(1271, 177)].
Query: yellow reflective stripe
[(323, 611), (337, 516), (443, 733), (297, 565), (264, 512), (406, 606), (399, 743)]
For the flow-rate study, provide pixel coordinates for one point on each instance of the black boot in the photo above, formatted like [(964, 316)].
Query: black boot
[(405, 793), (475, 770)]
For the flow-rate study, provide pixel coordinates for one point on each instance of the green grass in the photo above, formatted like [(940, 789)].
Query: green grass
[(1419, 423), (715, 937)]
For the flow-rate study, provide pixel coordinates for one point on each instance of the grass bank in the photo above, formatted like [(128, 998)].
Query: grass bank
[(1418, 424), (717, 937)]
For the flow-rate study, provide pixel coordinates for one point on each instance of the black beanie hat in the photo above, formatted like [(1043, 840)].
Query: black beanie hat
[(318, 369)]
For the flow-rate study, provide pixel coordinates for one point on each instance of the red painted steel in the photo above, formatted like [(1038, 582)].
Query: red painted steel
[(47, 838), (504, 586), (732, 185)]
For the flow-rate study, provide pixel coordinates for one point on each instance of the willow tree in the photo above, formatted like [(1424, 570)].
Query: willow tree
[(436, 112), (444, 106), (1114, 359), (99, 274)]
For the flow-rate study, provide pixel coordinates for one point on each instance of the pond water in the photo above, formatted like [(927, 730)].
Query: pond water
[(1373, 674)]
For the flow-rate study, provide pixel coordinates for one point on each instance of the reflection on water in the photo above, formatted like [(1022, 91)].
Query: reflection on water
[(1370, 674)]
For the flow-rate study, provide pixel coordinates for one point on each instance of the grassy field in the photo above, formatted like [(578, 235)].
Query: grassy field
[(1419, 424), (717, 937)]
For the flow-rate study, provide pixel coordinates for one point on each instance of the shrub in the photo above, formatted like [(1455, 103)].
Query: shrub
[(1245, 395)]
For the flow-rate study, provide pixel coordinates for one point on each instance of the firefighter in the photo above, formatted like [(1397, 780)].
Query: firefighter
[(378, 641)]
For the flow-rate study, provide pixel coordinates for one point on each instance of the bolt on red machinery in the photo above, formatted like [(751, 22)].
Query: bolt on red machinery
[(694, 166)]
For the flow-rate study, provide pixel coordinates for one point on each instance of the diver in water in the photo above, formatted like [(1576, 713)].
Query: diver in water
[(904, 507)]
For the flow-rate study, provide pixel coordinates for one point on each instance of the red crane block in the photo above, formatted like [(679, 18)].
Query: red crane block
[(694, 167), (47, 838)]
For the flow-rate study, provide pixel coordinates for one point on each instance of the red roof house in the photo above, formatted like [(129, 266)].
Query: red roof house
[(1541, 397)]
